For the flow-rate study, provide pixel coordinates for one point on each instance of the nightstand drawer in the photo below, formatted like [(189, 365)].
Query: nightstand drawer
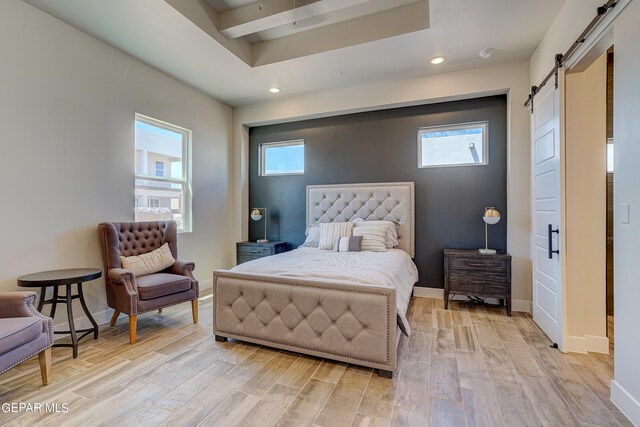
[(253, 251), (478, 283), (245, 258), (489, 265), (248, 251)]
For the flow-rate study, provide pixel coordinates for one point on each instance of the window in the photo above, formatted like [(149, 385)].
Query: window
[(609, 155), (159, 168), (453, 145), (162, 172), (282, 158)]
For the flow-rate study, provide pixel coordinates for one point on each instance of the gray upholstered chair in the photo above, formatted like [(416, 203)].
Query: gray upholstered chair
[(133, 295), (24, 333)]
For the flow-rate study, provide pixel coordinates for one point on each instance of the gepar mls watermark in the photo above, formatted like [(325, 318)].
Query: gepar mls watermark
[(34, 407)]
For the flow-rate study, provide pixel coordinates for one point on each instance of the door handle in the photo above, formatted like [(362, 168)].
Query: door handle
[(550, 231)]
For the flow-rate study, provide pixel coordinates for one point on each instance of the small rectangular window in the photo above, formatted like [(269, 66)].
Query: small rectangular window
[(453, 145), (282, 158), (159, 168), (162, 172)]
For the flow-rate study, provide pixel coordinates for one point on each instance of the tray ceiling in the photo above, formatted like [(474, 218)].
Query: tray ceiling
[(180, 38)]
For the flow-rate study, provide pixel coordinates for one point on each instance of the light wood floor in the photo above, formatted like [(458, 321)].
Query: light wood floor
[(470, 365)]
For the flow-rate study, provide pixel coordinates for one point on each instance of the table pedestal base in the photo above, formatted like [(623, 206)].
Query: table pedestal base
[(68, 300)]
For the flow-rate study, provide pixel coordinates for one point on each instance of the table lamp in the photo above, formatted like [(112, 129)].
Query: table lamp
[(256, 215), (491, 216)]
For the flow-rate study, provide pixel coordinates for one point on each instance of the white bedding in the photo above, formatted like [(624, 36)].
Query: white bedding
[(392, 269)]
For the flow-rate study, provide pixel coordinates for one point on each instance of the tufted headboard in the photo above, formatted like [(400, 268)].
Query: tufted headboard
[(392, 201)]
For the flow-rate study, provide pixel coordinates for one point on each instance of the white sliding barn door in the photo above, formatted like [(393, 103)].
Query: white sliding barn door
[(547, 209)]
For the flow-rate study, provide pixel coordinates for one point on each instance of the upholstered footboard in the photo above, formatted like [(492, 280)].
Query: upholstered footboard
[(349, 323)]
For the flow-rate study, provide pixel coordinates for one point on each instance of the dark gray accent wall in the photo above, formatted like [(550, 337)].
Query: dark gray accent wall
[(381, 146)]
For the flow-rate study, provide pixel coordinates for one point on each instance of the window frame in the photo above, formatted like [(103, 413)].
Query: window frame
[(185, 181), (262, 156), (484, 124)]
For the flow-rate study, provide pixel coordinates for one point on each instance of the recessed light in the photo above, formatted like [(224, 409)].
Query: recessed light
[(487, 53), (437, 60), (274, 90)]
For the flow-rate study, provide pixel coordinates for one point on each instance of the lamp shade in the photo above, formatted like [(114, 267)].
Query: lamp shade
[(491, 216), (256, 215)]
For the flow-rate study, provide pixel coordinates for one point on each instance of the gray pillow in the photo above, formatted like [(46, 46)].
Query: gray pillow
[(348, 244)]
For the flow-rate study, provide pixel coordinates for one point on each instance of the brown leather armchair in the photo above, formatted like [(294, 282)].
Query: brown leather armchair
[(133, 295)]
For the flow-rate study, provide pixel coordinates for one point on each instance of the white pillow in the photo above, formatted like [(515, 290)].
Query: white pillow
[(329, 233), (149, 263), (373, 237), (391, 238), (313, 237)]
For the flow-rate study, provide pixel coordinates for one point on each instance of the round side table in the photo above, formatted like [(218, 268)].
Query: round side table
[(55, 279)]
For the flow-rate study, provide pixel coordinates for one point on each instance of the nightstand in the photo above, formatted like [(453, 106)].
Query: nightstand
[(467, 272), (248, 251)]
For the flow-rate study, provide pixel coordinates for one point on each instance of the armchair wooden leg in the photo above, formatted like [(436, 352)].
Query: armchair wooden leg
[(194, 310), (159, 310), (114, 318), (44, 357), (133, 324)]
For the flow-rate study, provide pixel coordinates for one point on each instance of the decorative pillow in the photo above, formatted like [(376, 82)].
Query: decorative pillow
[(313, 237), (391, 239), (348, 244), (149, 263), (373, 237), (329, 233)]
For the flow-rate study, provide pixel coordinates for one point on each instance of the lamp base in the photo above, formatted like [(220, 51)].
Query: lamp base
[(267, 241), (487, 251)]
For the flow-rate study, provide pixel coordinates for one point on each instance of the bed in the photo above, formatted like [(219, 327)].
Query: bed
[(349, 307)]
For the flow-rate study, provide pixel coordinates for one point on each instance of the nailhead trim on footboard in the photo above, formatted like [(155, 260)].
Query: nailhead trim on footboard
[(336, 315)]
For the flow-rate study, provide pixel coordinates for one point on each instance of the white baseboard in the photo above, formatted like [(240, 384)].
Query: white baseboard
[(522, 305), (596, 344), (587, 344), (419, 291), (516, 305), (625, 402), (206, 284), (103, 317)]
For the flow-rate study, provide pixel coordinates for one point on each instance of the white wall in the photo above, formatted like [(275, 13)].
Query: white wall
[(586, 201), (572, 19), (67, 105), (625, 390), (511, 78)]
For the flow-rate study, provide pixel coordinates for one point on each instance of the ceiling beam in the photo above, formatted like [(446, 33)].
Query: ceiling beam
[(389, 23), (266, 14)]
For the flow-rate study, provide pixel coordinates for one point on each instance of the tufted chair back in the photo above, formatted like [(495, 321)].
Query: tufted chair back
[(136, 238)]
